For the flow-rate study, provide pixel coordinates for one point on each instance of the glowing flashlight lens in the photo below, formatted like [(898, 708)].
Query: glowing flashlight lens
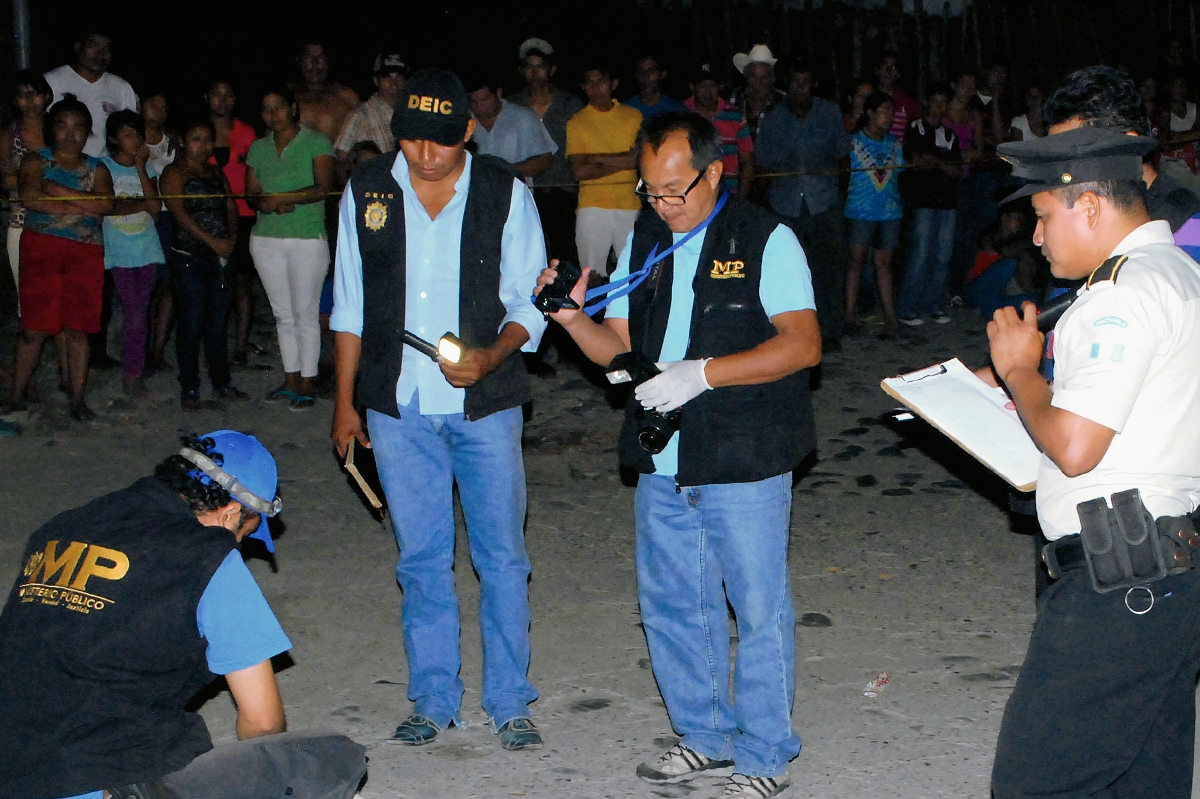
[(618, 376), (449, 350)]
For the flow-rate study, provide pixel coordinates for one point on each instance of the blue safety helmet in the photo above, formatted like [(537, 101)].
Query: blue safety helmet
[(246, 470)]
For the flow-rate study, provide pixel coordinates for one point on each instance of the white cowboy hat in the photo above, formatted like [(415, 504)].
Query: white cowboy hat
[(534, 43), (759, 54)]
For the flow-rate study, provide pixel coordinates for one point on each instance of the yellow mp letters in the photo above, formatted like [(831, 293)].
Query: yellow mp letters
[(51, 570), (433, 105), (723, 270)]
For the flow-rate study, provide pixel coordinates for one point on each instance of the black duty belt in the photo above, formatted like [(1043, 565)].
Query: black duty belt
[(1063, 555)]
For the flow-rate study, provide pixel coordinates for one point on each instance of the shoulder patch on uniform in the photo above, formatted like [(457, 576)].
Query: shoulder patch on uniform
[(1104, 321)]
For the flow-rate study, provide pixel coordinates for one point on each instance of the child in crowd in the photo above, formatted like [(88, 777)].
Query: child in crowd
[(132, 250), (931, 189), (1009, 269), (205, 225), (873, 207)]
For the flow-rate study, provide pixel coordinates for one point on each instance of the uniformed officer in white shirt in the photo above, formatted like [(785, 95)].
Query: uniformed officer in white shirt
[(1104, 704)]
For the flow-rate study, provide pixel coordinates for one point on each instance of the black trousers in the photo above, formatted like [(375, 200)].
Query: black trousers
[(202, 309), (1104, 705), (556, 208), (298, 765), (823, 238)]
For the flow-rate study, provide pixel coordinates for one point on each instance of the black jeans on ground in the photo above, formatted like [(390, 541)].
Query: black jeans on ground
[(824, 241), (300, 765), (202, 308)]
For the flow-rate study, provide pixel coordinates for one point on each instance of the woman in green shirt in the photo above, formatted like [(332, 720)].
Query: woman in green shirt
[(290, 171)]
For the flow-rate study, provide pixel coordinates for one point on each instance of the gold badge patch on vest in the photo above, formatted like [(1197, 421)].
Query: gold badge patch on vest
[(723, 270), (375, 217)]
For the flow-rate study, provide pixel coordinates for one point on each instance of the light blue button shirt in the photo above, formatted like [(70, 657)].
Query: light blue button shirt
[(517, 135), (432, 260), (785, 285)]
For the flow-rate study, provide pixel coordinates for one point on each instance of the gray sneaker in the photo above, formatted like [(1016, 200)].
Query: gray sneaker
[(679, 764), (743, 786)]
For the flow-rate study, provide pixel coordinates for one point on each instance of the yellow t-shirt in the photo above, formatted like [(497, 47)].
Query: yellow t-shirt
[(612, 131)]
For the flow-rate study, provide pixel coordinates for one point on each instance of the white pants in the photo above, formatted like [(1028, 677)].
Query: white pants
[(14, 253), (292, 271), (598, 230)]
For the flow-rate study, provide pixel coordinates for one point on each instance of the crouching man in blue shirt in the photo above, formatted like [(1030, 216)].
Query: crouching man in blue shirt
[(124, 609)]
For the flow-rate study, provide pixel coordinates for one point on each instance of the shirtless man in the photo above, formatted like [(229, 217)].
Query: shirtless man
[(324, 104)]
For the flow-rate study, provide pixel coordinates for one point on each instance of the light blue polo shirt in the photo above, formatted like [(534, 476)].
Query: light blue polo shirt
[(432, 261), (786, 285)]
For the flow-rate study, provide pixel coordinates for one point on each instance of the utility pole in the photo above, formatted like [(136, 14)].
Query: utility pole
[(21, 33)]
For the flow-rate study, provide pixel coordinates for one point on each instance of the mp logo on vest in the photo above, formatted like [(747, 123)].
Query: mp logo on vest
[(723, 270), (61, 579)]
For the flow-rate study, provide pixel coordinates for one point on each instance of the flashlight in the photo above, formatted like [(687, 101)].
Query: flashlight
[(448, 348)]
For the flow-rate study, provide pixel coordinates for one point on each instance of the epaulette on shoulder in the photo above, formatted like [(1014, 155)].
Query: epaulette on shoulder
[(1107, 270)]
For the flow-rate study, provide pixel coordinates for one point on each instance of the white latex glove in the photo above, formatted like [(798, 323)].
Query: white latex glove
[(679, 382)]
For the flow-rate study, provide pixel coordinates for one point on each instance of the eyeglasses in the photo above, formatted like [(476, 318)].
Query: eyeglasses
[(666, 199)]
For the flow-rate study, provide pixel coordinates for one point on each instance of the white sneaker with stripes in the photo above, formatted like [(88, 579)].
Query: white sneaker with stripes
[(742, 786), (679, 764)]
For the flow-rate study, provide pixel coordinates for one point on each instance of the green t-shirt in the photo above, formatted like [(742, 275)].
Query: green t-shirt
[(293, 170)]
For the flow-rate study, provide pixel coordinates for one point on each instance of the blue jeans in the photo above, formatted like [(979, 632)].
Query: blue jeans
[(694, 549), (419, 459), (930, 244)]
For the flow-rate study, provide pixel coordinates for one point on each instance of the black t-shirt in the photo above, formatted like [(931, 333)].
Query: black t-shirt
[(1175, 193), (935, 186)]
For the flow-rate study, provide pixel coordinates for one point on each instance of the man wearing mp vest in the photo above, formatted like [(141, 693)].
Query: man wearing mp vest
[(123, 610), (434, 240), (725, 307)]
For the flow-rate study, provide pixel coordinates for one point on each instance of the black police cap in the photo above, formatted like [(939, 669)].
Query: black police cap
[(1081, 155)]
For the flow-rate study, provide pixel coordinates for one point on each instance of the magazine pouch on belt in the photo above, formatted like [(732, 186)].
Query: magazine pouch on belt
[(1121, 542)]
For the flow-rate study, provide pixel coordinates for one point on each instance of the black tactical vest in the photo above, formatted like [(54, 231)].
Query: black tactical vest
[(379, 203), (734, 434), (99, 648)]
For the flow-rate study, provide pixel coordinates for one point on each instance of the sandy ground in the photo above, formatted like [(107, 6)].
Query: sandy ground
[(903, 559)]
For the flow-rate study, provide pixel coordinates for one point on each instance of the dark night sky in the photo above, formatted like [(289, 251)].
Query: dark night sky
[(179, 44)]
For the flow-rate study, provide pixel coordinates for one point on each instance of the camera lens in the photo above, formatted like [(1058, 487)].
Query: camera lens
[(652, 440), (656, 431)]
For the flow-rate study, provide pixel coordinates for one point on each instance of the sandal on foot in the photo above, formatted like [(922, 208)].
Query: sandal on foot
[(302, 402), (281, 394), (231, 393)]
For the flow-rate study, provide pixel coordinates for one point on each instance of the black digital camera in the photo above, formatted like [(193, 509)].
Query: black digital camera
[(557, 295), (655, 429)]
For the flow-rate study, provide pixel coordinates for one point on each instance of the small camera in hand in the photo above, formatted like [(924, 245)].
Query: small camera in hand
[(655, 428), (557, 295)]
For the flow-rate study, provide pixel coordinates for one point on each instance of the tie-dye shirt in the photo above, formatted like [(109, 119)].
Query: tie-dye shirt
[(874, 195)]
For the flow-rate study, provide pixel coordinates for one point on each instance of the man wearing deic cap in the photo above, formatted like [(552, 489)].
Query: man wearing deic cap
[(435, 240), (124, 609), (1104, 704)]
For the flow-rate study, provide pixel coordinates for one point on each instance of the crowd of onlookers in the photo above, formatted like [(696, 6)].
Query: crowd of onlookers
[(177, 215)]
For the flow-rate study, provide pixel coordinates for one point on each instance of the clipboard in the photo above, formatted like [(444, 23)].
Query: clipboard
[(973, 415), (362, 482)]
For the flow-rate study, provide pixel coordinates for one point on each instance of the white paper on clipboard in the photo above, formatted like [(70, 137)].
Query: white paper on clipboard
[(973, 415)]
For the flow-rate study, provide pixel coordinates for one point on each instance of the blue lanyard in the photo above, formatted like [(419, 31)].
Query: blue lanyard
[(627, 284)]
